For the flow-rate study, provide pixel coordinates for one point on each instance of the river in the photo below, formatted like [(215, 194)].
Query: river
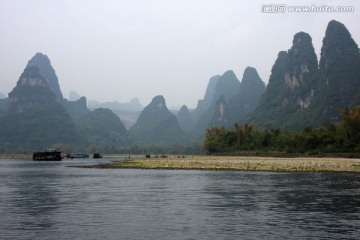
[(49, 200)]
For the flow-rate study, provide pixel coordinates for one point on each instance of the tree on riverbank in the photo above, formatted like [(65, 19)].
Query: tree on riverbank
[(330, 138)]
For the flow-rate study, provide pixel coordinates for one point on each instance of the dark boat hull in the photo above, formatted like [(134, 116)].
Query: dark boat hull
[(49, 155), (97, 155), (46, 159)]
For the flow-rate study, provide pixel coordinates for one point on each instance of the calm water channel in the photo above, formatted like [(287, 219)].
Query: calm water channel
[(40, 200)]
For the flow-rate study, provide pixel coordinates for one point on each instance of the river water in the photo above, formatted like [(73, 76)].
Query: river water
[(48, 200)]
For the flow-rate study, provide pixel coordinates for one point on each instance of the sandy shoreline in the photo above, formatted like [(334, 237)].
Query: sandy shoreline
[(242, 164), (237, 163)]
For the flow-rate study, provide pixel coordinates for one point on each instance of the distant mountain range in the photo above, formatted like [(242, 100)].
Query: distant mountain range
[(128, 112), (301, 91), (132, 105), (35, 116), (227, 100)]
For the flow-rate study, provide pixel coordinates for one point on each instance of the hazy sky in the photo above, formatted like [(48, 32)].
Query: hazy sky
[(113, 50)]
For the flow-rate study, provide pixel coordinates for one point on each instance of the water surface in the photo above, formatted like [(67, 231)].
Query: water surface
[(47, 200)]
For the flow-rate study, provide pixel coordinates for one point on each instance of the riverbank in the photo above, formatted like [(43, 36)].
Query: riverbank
[(15, 155), (241, 164)]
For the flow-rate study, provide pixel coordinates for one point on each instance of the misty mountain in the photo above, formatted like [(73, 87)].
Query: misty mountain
[(185, 120), (157, 125), (102, 127), (291, 86), (128, 112), (42, 62), (40, 128), (128, 118), (227, 86), (30, 91), (34, 119), (76, 109), (339, 74), (132, 105), (300, 93), (220, 114), (4, 106), (204, 104), (247, 98), (74, 96)]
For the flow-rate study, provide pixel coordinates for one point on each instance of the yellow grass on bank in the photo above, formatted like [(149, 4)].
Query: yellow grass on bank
[(242, 164)]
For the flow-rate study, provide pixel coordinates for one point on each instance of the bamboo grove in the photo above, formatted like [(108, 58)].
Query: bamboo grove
[(341, 137)]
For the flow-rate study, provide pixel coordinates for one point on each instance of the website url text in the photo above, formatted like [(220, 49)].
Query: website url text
[(282, 8)]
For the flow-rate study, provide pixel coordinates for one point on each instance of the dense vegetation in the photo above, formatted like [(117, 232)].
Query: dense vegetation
[(330, 138), (102, 130), (38, 128)]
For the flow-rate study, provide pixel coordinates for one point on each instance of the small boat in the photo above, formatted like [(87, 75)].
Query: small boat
[(97, 155), (48, 155), (77, 155)]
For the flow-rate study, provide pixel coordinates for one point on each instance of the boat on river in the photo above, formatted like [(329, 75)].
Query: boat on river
[(97, 155), (47, 155)]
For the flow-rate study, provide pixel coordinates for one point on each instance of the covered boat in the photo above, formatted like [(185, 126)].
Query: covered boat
[(48, 155)]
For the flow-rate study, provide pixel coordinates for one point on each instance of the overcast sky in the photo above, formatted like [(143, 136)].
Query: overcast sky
[(113, 50)]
